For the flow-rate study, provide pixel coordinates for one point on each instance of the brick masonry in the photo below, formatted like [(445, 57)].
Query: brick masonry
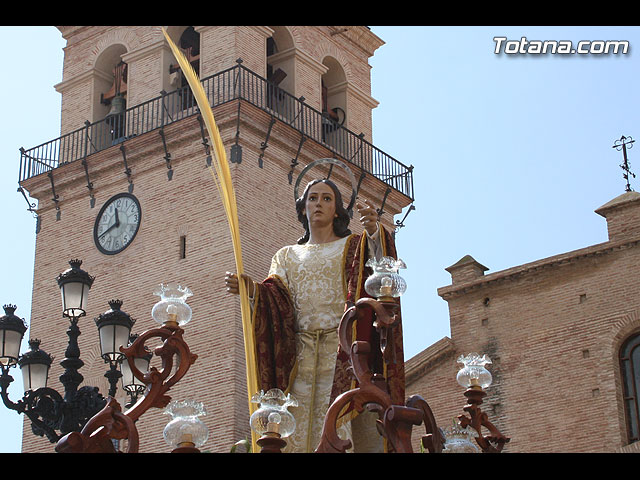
[(553, 329)]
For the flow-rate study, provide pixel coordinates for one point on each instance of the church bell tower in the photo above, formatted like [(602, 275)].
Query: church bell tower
[(131, 132)]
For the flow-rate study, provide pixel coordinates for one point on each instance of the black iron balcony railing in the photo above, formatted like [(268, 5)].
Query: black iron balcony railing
[(234, 83)]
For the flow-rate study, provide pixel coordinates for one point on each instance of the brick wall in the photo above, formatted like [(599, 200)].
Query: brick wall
[(553, 329)]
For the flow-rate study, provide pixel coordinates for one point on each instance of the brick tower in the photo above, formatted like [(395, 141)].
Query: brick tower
[(282, 97)]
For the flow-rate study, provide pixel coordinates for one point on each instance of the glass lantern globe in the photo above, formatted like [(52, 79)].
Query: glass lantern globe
[(12, 329), (114, 328), (185, 428), (473, 374), (34, 366), (130, 383), (385, 281), (459, 440), (74, 285), (273, 415), (172, 307)]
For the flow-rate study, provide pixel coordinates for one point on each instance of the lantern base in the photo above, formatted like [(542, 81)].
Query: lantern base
[(271, 443), (185, 448)]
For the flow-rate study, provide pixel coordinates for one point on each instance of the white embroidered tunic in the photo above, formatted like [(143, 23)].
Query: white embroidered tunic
[(314, 276)]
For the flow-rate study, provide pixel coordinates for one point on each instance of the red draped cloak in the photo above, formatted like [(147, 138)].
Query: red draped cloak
[(274, 326)]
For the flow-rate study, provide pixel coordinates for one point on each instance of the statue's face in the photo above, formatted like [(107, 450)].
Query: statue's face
[(320, 207)]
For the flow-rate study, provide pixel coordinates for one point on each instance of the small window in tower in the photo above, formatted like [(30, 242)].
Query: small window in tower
[(183, 247)]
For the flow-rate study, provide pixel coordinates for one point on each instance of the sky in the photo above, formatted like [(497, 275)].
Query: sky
[(512, 152)]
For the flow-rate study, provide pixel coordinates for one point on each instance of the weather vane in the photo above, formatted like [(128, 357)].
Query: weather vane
[(621, 144)]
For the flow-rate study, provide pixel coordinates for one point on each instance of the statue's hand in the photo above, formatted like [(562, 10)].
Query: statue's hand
[(231, 282), (368, 216)]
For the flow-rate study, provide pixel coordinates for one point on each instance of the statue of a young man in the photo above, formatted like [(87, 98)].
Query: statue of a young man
[(298, 307)]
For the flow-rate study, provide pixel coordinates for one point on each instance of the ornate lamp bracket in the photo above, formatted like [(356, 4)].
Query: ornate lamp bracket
[(395, 422), (495, 441), (111, 423)]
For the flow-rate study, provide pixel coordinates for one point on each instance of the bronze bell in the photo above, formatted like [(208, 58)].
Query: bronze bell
[(118, 106)]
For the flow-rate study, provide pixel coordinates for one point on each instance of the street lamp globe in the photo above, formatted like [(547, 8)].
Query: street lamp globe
[(74, 285), (114, 328), (12, 330), (34, 365)]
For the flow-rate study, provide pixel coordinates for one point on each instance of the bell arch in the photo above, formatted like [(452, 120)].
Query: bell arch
[(334, 91), (110, 82), (188, 40), (281, 59)]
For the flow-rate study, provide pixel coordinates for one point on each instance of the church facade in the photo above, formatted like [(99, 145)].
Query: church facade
[(561, 333)]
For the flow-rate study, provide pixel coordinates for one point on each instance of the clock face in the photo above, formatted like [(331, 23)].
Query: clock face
[(117, 223)]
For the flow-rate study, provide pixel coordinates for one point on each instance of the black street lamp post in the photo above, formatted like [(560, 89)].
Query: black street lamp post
[(52, 414)]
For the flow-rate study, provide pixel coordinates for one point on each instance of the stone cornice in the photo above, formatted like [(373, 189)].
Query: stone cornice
[(417, 365), (516, 273), (360, 35), (152, 48), (299, 55), (67, 31), (264, 30), (82, 77), (351, 89), (625, 200)]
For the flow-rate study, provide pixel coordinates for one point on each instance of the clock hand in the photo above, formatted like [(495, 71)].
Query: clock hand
[(113, 225), (108, 229)]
